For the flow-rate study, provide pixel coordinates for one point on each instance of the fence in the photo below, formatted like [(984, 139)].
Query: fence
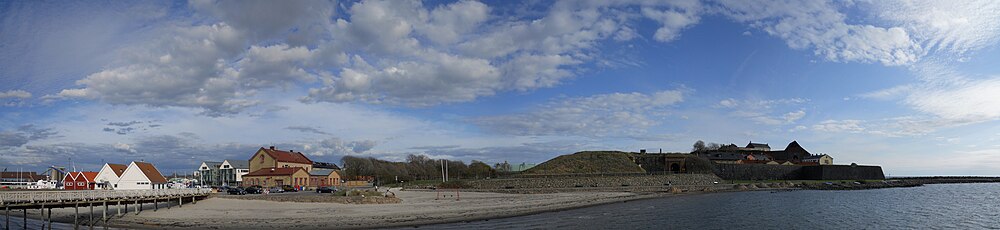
[(66, 196)]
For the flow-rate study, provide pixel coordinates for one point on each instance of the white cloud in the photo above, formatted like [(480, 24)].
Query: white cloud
[(850, 126), (603, 115), (18, 94), (791, 117), (945, 26), (819, 26), (674, 19), (763, 111)]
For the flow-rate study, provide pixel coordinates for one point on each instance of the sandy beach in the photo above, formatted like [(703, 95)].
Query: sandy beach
[(416, 208)]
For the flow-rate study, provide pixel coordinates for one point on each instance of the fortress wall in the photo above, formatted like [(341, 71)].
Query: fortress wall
[(595, 181), (797, 172), (843, 172), (759, 172)]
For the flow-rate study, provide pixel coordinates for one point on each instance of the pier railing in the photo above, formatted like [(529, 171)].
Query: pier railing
[(90, 195)]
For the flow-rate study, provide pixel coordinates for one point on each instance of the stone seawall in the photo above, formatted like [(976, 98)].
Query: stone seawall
[(798, 172), (595, 181)]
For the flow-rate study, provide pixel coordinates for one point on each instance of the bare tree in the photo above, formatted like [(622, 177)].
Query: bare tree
[(698, 146)]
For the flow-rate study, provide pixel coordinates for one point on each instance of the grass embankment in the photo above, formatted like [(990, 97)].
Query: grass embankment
[(588, 162)]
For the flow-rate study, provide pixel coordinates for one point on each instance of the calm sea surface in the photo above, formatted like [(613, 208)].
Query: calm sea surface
[(940, 206)]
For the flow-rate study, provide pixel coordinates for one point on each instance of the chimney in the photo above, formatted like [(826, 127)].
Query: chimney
[(272, 147), (291, 150)]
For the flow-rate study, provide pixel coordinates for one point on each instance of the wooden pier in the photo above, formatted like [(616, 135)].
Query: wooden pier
[(118, 199)]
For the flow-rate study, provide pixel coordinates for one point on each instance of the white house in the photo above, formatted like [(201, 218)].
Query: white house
[(141, 175), (108, 176), (232, 171)]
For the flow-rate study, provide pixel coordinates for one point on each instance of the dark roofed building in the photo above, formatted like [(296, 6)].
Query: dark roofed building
[(758, 146), (794, 153), (20, 177), (724, 157), (325, 165)]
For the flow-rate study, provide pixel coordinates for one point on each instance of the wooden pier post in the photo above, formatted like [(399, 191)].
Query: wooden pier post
[(180, 201), (41, 211), (119, 207), (156, 206), (137, 207), (24, 218), (50, 219), (104, 216), (7, 215), (76, 217), (91, 214)]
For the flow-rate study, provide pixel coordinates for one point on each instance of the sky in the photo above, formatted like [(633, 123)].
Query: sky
[(913, 86)]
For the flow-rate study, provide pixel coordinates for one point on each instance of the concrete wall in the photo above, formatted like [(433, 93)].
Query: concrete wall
[(798, 172)]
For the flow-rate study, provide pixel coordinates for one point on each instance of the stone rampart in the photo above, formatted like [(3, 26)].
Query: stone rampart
[(595, 181), (798, 172)]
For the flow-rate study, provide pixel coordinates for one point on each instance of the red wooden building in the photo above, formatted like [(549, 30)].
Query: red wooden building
[(80, 181)]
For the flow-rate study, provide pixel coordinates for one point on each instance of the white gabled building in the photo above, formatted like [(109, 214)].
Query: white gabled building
[(232, 171), (141, 175), (107, 178)]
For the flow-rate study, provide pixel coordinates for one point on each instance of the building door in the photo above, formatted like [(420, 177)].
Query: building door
[(675, 168)]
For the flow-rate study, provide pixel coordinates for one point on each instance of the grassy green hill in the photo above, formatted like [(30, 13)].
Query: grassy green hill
[(588, 162)]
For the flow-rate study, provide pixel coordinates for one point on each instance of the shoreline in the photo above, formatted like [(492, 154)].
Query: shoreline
[(419, 208)]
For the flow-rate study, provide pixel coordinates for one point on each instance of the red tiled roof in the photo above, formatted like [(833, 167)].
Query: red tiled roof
[(285, 156), (90, 176), (274, 171), (118, 169), (75, 176), (151, 172)]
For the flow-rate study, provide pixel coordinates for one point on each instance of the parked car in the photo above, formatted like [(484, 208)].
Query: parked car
[(289, 188), (275, 190), (326, 190), (254, 190), (237, 191)]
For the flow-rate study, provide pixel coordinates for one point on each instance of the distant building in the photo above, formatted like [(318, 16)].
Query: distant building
[(323, 178), (725, 157), (272, 167), (273, 158), (325, 165), (821, 159), (758, 147), (759, 153), (209, 173), (79, 181), (231, 172), (109, 175), (141, 175), (271, 177), (11, 178)]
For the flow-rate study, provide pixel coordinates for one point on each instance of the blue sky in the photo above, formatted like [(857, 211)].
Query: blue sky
[(912, 85)]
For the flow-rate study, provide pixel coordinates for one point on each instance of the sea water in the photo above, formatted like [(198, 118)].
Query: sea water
[(937, 206)]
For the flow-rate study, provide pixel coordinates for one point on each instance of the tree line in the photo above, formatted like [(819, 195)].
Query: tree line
[(416, 167)]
